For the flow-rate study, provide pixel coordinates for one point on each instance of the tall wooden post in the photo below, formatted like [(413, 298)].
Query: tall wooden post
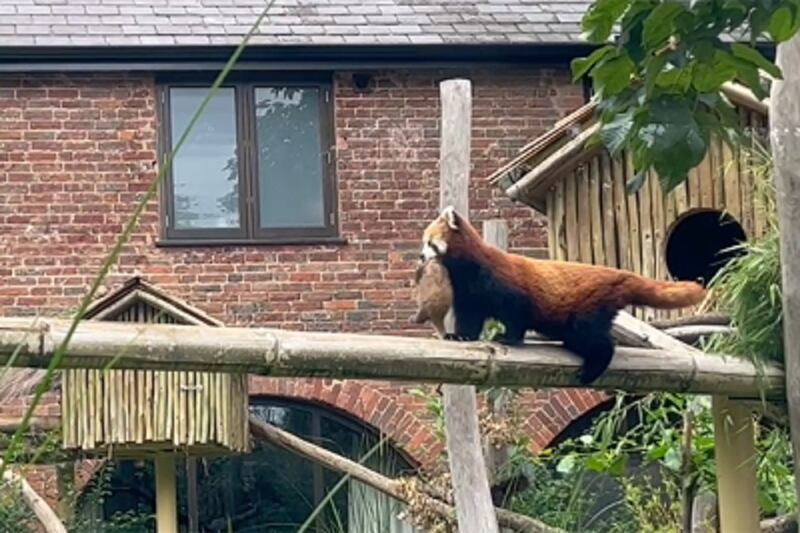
[(734, 448), (495, 232), (474, 507), (784, 121), (166, 494)]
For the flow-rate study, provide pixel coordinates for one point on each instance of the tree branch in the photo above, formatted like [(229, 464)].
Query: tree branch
[(392, 487)]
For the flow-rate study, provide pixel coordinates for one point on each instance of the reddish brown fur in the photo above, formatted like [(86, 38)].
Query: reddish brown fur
[(562, 288), (572, 302)]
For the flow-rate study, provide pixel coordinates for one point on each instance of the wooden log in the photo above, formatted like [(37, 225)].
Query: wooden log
[(558, 228), (646, 221), (624, 246), (474, 507), (279, 353), (609, 229), (41, 509), (166, 494), (391, 487), (785, 144), (596, 209), (571, 229), (585, 234)]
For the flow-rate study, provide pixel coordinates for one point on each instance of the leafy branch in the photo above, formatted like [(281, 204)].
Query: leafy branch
[(658, 80)]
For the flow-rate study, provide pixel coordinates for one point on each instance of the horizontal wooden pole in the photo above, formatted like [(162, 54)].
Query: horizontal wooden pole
[(272, 352)]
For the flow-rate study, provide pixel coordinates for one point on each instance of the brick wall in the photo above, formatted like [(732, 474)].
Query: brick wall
[(77, 151)]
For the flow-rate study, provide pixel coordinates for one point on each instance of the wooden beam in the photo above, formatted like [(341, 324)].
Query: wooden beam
[(785, 145), (473, 497), (166, 494), (272, 352)]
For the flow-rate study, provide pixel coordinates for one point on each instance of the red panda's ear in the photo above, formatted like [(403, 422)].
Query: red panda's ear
[(451, 217)]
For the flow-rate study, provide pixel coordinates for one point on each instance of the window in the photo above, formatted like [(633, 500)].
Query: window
[(257, 166)]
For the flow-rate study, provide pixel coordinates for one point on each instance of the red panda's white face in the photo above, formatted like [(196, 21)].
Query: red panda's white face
[(437, 234)]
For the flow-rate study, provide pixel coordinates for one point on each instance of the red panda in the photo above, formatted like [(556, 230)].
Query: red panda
[(434, 295), (572, 302)]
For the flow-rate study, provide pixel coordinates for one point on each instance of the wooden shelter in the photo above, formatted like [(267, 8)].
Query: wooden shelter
[(591, 218), (132, 412)]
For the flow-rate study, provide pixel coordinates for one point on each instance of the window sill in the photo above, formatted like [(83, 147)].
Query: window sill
[(289, 241)]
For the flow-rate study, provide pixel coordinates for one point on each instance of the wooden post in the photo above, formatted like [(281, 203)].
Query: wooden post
[(734, 447), (496, 232), (474, 507), (166, 494), (192, 509), (785, 144)]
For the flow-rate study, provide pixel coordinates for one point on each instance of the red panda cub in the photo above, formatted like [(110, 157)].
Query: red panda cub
[(434, 295), (572, 302)]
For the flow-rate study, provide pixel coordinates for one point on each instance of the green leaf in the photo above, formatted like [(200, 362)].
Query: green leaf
[(675, 79), (672, 460), (615, 133), (748, 74), (673, 139), (634, 184), (613, 76), (782, 24), (617, 466), (659, 24), (752, 55), (658, 453), (652, 71), (581, 65), (566, 464), (709, 77), (599, 20), (596, 463)]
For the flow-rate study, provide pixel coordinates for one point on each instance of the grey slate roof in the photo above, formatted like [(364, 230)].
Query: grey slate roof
[(290, 22)]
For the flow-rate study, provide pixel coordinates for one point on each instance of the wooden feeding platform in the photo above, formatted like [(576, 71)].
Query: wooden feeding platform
[(132, 413)]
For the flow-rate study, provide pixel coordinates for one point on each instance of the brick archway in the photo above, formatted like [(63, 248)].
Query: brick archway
[(552, 411), (387, 408)]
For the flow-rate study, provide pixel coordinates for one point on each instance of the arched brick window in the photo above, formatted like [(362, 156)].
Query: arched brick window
[(269, 489)]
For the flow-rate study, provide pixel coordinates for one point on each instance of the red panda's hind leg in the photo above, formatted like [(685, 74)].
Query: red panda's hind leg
[(589, 336)]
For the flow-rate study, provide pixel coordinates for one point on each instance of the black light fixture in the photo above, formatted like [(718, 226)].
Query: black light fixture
[(363, 82)]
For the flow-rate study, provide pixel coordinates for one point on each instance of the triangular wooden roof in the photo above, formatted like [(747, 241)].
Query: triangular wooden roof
[(137, 290), (547, 158)]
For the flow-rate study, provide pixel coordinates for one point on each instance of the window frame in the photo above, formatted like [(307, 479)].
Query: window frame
[(249, 231)]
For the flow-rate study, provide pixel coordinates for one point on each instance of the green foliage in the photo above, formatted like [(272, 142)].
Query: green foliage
[(748, 288), (659, 82), (627, 472), (15, 514)]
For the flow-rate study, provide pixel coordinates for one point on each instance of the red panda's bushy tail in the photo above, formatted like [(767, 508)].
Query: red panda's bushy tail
[(667, 294)]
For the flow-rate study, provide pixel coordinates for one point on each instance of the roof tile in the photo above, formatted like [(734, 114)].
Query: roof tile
[(324, 22)]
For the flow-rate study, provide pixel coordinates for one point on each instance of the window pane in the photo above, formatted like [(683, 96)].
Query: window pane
[(289, 157), (205, 173)]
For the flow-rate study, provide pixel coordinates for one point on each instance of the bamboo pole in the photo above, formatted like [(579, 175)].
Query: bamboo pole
[(735, 453), (166, 494), (474, 507), (272, 352), (391, 487)]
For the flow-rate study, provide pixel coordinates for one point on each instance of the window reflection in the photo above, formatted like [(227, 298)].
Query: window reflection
[(204, 172)]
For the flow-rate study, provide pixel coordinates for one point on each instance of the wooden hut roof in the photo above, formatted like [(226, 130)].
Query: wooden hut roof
[(138, 290), (544, 160)]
